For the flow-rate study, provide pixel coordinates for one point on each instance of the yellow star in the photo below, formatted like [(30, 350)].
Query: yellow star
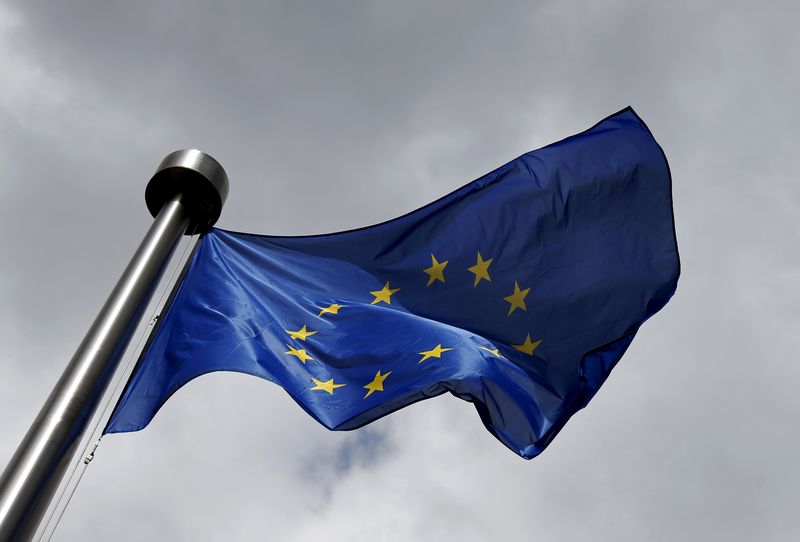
[(435, 353), (517, 299), (300, 354), (332, 309), (328, 385), (384, 294), (435, 271), (376, 384), (527, 347), (495, 352), (481, 269), (301, 333)]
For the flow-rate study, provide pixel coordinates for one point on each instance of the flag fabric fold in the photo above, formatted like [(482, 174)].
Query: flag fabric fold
[(518, 292)]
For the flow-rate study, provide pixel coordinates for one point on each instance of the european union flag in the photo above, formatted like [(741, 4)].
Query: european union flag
[(518, 292)]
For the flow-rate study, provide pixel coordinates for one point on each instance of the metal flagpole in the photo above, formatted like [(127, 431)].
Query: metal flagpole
[(185, 196)]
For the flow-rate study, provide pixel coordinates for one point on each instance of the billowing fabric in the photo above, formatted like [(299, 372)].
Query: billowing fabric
[(518, 292)]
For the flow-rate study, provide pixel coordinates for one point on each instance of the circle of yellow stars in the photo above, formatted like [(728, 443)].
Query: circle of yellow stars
[(435, 273)]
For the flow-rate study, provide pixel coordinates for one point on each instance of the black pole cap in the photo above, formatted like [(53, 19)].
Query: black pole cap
[(200, 180)]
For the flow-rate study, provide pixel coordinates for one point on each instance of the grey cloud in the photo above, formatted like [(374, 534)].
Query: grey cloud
[(335, 115)]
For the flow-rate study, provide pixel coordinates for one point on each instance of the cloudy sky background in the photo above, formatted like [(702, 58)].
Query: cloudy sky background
[(333, 115)]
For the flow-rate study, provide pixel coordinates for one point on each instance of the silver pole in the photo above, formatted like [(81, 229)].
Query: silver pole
[(185, 196)]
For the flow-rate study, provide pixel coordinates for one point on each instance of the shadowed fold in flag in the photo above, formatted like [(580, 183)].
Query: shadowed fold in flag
[(518, 292)]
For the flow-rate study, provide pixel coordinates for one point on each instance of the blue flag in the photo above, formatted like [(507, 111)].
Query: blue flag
[(518, 292)]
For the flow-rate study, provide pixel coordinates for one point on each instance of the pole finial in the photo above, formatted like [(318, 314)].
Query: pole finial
[(200, 179)]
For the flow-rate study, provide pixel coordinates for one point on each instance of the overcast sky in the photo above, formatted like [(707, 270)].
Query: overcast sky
[(332, 115)]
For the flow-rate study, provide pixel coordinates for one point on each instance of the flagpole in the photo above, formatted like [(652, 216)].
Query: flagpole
[(185, 196)]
